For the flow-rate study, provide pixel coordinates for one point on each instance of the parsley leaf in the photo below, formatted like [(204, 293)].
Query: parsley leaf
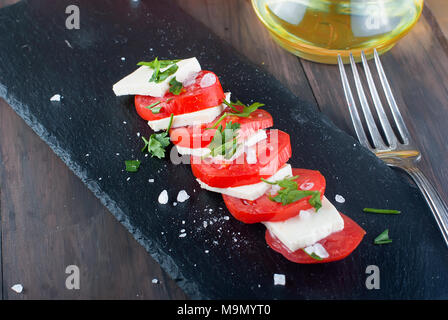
[(175, 86), (245, 113), (158, 142), (156, 65), (132, 165), (162, 63), (290, 193), (153, 107), (225, 142), (383, 238)]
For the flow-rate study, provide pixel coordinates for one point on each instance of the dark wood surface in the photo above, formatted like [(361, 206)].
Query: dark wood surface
[(49, 219)]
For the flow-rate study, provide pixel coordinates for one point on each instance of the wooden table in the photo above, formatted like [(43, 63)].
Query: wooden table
[(50, 220)]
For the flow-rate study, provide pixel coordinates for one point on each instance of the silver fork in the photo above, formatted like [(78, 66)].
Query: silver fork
[(396, 154)]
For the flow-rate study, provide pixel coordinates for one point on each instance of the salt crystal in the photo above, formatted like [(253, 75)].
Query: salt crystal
[(18, 288), (339, 198), (155, 280), (206, 251), (174, 203), (56, 97), (226, 217), (279, 279), (151, 180), (207, 80), (182, 196), (182, 235), (306, 186), (123, 58), (163, 197)]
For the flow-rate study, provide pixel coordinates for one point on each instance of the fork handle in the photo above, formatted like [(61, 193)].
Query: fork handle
[(432, 197)]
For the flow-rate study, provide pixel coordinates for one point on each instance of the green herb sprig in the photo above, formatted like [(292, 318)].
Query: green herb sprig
[(245, 113), (383, 238), (175, 86), (225, 142), (290, 193), (154, 107), (157, 142), (156, 65)]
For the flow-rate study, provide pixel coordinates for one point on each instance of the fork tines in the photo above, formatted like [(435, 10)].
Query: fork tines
[(378, 143)]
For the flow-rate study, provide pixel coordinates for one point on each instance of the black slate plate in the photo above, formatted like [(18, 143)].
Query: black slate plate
[(94, 132)]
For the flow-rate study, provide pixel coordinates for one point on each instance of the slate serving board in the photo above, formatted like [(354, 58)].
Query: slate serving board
[(93, 132)]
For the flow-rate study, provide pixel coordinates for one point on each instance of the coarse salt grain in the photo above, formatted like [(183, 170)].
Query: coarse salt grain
[(163, 197), (56, 97), (339, 198), (18, 288), (182, 196)]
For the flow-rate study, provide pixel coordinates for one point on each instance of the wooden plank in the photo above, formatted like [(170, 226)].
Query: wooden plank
[(51, 220), (417, 68), (439, 9), (236, 22)]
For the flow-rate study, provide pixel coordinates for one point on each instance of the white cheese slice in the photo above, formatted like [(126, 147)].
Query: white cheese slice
[(192, 118), (251, 191), (137, 83), (197, 152), (186, 119), (308, 227)]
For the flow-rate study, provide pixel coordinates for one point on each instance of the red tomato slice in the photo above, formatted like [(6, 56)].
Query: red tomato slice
[(272, 154), (263, 209), (338, 245), (198, 137), (192, 98)]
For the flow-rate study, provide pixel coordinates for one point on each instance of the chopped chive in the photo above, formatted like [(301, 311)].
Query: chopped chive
[(312, 255), (383, 238), (383, 211), (132, 165)]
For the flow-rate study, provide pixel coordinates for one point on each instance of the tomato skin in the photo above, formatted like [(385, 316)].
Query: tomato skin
[(263, 209), (192, 98), (272, 154), (338, 245), (198, 137)]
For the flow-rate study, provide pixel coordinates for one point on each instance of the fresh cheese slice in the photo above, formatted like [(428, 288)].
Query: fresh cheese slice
[(137, 83), (251, 191), (186, 119), (197, 152), (308, 227), (192, 118)]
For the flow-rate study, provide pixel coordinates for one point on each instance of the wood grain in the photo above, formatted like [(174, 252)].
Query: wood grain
[(50, 220)]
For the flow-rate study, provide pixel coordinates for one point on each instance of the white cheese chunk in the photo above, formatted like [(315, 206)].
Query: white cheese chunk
[(192, 118), (308, 227), (318, 250), (186, 119), (251, 191), (279, 279), (137, 83)]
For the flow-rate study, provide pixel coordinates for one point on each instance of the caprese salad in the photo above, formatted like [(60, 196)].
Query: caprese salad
[(234, 151)]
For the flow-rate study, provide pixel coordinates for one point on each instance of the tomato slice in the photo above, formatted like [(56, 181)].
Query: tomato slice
[(272, 154), (192, 98), (198, 137), (263, 209), (338, 245)]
